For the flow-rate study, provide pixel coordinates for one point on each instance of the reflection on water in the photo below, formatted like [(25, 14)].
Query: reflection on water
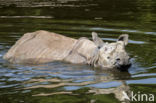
[(26, 17), (64, 79), (60, 82)]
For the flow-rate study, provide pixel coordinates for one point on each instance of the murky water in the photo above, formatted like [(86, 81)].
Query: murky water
[(59, 82)]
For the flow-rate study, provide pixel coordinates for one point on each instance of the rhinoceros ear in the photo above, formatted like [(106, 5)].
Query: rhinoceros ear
[(124, 38), (98, 41)]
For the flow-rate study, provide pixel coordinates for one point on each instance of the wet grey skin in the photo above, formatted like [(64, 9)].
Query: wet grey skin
[(113, 53), (43, 47)]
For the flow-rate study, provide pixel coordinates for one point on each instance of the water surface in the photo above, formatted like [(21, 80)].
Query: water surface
[(59, 82)]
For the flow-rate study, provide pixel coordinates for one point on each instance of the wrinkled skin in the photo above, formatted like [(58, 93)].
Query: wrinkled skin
[(42, 47), (113, 55)]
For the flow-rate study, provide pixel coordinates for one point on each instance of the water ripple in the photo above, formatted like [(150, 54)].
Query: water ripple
[(130, 41), (144, 75), (121, 30), (40, 17), (142, 81)]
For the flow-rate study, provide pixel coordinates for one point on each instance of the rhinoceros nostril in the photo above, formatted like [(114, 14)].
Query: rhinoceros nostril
[(118, 59)]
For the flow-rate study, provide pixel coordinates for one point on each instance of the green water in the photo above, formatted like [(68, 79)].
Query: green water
[(59, 82)]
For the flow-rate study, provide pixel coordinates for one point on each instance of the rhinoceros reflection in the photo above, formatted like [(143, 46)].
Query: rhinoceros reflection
[(118, 91), (104, 77), (42, 47)]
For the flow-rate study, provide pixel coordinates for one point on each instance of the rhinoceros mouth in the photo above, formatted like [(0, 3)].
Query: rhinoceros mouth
[(123, 67)]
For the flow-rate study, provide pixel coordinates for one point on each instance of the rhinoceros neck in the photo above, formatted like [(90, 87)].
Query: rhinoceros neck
[(83, 52)]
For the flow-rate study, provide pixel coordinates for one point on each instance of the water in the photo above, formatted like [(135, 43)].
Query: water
[(59, 82)]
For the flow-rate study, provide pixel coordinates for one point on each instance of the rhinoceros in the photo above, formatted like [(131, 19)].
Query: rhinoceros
[(43, 47)]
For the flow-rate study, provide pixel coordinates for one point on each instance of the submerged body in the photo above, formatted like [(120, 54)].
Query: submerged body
[(43, 46)]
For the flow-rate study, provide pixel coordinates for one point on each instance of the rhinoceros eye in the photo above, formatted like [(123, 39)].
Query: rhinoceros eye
[(108, 57), (99, 47)]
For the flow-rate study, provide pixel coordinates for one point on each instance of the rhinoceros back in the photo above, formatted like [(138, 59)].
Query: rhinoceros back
[(40, 47)]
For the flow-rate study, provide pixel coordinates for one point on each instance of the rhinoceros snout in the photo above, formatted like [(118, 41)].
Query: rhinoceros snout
[(123, 67)]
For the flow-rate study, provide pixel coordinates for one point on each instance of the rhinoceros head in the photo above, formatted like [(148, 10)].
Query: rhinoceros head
[(112, 55)]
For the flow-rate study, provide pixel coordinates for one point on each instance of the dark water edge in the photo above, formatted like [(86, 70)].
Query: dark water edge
[(59, 82)]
